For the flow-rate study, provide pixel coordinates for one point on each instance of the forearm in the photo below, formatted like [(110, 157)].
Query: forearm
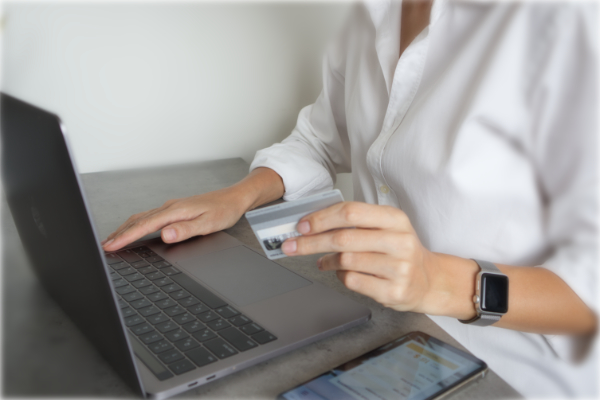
[(261, 186), (539, 300)]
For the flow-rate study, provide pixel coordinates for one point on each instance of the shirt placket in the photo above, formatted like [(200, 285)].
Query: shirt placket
[(407, 77)]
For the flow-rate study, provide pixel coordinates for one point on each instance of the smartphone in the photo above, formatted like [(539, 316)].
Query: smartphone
[(414, 367)]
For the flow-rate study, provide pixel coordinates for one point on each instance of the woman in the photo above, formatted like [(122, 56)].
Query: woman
[(470, 131)]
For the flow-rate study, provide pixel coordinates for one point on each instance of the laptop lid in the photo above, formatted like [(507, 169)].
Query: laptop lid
[(49, 209)]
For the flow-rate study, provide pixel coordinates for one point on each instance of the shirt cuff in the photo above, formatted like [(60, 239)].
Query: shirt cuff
[(301, 176)]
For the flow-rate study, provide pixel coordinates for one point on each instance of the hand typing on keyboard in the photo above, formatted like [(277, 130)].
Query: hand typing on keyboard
[(181, 219)]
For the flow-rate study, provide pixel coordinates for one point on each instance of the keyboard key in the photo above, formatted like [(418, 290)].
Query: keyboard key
[(147, 270), (201, 357), (119, 282), (122, 303), (125, 289), (140, 303), (163, 281), (154, 259), (166, 303), (141, 328), (111, 258), (240, 320), (167, 326), (157, 318), (251, 329), (218, 324), (129, 256), (157, 296), (126, 271), (148, 311), (133, 296), (173, 311), (134, 320), (161, 346), (155, 275), (119, 266), (149, 290), (128, 312), (237, 339), (161, 264), (198, 308), (114, 276), (180, 294), (227, 312), (142, 283), (189, 301), (170, 356), (140, 249), (134, 277), (204, 335), (181, 367), (199, 291), (170, 288), (140, 264), (220, 348), (264, 337), (208, 316), (168, 271), (194, 326), (186, 344), (184, 318), (151, 337), (176, 335)]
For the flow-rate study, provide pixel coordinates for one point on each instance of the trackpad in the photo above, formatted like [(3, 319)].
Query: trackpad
[(242, 275)]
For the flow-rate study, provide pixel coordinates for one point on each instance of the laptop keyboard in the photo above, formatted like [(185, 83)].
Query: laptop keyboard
[(183, 324)]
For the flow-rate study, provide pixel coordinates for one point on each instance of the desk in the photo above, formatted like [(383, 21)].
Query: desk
[(44, 354)]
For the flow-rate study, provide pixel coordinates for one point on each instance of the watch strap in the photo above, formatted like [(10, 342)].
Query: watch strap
[(487, 266), (482, 320)]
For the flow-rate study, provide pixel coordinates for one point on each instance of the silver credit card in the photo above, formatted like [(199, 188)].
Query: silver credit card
[(273, 225)]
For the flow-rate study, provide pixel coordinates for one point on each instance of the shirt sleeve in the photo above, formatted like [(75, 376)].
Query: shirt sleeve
[(318, 147), (565, 106)]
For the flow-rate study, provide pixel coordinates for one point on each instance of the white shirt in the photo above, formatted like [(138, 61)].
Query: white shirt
[(484, 133)]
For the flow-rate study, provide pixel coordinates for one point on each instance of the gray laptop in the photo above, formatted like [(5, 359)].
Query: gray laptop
[(166, 317)]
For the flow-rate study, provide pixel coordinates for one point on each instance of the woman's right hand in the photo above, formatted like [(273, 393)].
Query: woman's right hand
[(180, 219)]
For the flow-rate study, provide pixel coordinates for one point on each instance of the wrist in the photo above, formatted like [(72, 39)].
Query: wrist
[(452, 286), (261, 186)]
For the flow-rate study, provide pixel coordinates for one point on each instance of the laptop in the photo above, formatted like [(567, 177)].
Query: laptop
[(166, 317)]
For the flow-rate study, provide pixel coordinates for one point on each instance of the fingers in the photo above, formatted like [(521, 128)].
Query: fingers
[(376, 288), (379, 265), (353, 240), (355, 214), (147, 223), (183, 230)]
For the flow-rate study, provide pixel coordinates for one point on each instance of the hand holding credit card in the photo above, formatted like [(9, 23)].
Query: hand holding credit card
[(273, 225)]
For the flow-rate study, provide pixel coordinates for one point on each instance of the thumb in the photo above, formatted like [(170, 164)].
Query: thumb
[(182, 230)]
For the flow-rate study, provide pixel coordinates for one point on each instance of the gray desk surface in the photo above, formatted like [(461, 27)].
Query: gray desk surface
[(44, 354)]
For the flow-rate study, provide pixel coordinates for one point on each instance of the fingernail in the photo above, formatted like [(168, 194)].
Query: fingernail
[(319, 261), (106, 243), (303, 227), (169, 234), (289, 246)]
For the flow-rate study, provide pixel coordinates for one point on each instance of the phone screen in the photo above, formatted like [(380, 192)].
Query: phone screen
[(415, 366)]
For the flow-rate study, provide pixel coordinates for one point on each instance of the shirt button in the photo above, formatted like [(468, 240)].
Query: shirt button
[(384, 189)]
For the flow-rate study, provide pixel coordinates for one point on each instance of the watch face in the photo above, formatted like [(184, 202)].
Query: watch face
[(494, 293)]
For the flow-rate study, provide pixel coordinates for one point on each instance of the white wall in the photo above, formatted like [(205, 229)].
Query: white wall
[(143, 84)]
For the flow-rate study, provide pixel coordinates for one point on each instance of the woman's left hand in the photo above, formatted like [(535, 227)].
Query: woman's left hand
[(382, 257)]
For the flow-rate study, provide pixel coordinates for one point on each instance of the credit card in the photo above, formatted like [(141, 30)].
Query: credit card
[(273, 225)]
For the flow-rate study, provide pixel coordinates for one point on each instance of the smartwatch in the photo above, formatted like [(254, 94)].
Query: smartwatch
[(491, 295)]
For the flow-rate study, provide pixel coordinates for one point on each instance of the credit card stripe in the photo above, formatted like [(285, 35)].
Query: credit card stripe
[(277, 230)]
